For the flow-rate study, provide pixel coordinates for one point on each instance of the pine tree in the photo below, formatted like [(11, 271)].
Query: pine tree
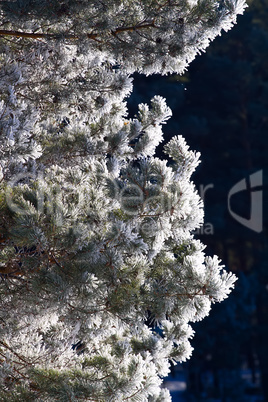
[(97, 233)]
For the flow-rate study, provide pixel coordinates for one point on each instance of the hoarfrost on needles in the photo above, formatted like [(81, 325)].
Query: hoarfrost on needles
[(100, 273)]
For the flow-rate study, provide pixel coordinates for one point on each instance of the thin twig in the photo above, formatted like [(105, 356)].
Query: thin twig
[(33, 35)]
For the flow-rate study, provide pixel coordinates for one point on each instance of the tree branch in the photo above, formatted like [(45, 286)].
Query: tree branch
[(32, 35)]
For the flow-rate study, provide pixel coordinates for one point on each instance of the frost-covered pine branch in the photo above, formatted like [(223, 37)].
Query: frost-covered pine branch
[(96, 234), (147, 36)]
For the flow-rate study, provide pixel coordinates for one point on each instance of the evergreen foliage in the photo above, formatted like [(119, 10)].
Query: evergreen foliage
[(97, 233)]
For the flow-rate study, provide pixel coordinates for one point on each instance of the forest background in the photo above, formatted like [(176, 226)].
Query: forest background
[(220, 106)]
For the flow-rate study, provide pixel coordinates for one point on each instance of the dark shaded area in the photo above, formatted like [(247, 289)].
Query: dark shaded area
[(220, 106)]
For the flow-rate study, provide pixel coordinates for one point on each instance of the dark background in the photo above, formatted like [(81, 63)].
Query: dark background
[(220, 106)]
